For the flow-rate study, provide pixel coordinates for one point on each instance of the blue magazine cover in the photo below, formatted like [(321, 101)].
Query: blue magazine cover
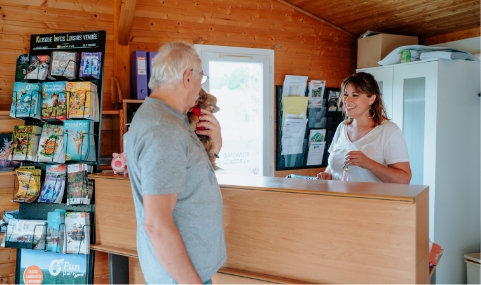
[(40, 267), (26, 99), (78, 140)]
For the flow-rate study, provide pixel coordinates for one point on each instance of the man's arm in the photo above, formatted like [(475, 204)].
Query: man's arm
[(212, 130), (166, 239)]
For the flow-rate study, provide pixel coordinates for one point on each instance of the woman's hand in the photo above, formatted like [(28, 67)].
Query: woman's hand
[(357, 158), (394, 173), (324, 176), (212, 129)]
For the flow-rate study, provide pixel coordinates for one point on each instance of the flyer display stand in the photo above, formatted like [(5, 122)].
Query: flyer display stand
[(77, 57), (319, 117)]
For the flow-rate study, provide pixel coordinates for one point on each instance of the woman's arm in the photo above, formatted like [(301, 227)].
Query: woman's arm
[(399, 172)]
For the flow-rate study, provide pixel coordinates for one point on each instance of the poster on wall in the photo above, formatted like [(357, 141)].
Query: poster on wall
[(40, 267)]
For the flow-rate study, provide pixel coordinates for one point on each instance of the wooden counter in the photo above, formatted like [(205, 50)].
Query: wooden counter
[(303, 231)]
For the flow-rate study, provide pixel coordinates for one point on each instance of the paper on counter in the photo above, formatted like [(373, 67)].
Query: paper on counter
[(293, 136)]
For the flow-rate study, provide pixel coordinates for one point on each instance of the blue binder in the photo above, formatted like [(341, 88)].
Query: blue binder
[(150, 60), (138, 75)]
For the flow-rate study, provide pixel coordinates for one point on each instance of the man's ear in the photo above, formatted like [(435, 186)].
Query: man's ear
[(187, 77)]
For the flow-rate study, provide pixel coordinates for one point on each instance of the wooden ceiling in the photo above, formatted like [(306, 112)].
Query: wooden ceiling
[(422, 18)]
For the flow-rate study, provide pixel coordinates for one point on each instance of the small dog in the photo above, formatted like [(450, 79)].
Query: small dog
[(208, 102)]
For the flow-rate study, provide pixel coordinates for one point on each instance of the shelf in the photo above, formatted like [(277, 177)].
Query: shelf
[(114, 250), (104, 167), (129, 101), (111, 112)]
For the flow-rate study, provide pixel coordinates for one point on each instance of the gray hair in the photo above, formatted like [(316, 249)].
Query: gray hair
[(172, 61)]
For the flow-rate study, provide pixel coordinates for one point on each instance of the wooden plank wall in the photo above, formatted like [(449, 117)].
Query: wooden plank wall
[(302, 45), (21, 18), (7, 255)]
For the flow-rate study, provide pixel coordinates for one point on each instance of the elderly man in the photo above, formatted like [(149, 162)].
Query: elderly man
[(177, 199)]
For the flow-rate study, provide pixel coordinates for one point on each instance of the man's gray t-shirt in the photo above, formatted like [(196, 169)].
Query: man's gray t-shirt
[(165, 156)]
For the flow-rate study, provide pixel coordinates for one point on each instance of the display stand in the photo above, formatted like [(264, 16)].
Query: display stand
[(45, 44), (318, 118)]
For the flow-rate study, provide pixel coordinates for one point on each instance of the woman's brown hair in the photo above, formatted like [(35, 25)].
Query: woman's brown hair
[(365, 83)]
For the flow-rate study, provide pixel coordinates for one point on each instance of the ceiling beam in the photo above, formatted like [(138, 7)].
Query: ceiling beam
[(316, 18), (121, 57), (126, 18)]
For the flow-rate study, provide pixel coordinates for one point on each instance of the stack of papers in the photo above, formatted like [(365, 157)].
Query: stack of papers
[(394, 56), (294, 123), (449, 55), (293, 136), (316, 92), (317, 144), (294, 85)]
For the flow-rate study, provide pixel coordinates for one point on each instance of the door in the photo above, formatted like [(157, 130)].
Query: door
[(415, 112)]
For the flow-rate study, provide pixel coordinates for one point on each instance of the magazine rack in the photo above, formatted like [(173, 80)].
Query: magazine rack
[(25, 242), (45, 44), (39, 211), (318, 118)]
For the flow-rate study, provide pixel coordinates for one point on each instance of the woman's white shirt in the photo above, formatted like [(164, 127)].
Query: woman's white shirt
[(384, 144)]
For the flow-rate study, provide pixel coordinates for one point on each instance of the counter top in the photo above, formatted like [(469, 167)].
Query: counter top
[(366, 190)]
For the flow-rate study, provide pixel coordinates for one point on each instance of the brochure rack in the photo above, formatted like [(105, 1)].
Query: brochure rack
[(318, 118), (46, 44)]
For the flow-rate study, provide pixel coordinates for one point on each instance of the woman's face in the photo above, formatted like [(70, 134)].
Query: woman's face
[(356, 103)]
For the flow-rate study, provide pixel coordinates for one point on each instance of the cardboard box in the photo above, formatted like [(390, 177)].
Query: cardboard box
[(372, 49)]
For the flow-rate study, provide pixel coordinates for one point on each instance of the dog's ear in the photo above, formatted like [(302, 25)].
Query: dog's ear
[(211, 103), (202, 95)]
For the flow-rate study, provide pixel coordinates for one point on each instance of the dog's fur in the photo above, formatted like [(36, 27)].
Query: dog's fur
[(208, 102)]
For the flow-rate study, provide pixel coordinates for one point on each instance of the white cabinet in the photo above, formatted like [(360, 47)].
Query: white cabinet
[(384, 78), (436, 104)]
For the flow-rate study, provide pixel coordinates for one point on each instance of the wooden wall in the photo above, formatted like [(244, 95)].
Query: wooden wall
[(7, 255), (21, 18), (302, 45)]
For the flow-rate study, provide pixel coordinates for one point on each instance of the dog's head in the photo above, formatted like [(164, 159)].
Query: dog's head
[(207, 101)]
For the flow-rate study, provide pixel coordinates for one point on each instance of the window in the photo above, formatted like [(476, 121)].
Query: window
[(242, 79)]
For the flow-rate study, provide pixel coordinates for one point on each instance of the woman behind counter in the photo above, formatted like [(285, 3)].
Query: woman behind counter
[(371, 147)]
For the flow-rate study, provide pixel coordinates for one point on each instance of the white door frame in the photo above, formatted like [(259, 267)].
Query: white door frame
[(266, 56)]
